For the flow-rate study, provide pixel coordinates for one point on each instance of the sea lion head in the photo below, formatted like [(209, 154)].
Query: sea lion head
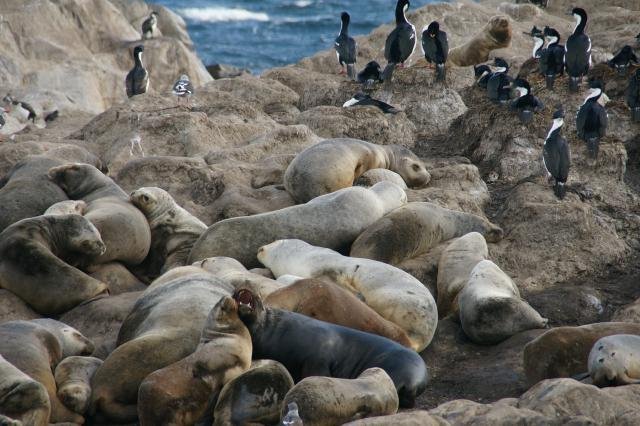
[(280, 249), (250, 305), (82, 236), (152, 201), (71, 340), (76, 179), (78, 207), (500, 31), (410, 167), (223, 318), (494, 233)]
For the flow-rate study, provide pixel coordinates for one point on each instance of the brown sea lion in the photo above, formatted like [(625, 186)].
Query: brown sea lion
[(73, 380), (495, 35), (21, 397)]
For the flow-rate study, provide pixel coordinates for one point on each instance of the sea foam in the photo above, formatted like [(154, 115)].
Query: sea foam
[(222, 14)]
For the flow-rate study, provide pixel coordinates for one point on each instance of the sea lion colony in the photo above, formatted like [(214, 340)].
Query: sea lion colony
[(332, 325)]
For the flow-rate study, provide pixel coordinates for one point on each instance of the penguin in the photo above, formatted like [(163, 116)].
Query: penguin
[(499, 84), (150, 25), (633, 96), (370, 74), (592, 119), (556, 157), (552, 57), (183, 88), (525, 103), (346, 47), (623, 59), (578, 50), (137, 81), (435, 47), (482, 74), (22, 110), (400, 43), (362, 99)]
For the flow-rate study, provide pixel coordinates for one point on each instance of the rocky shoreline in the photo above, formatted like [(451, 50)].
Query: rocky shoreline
[(575, 261)]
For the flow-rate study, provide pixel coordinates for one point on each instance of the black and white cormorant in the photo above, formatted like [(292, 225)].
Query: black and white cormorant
[(552, 57), (578, 50), (435, 47), (482, 74), (137, 81), (499, 84), (183, 88), (538, 41), (346, 47), (633, 96), (526, 103), (592, 120), (150, 25), (362, 99), (21, 110), (623, 59), (556, 157), (370, 75), (401, 43)]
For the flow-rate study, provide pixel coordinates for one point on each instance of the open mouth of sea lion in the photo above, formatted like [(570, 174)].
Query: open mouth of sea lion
[(245, 300)]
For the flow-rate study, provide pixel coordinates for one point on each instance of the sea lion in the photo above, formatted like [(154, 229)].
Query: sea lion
[(117, 277), (35, 347), (332, 220), (615, 360), (334, 164), (564, 351), (329, 302), (21, 397), (308, 347), (163, 327), (173, 229), (455, 265), (255, 396), (232, 272), (73, 380), (66, 207), (491, 309), (179, 393), (391, 292), (325, 401), (13, 308), (373, 176), (495, 35), (6, 421), (416, 228), (36, 258), (124, 229)]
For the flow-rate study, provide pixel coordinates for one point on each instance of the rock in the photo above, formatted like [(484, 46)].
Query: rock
[(629, 313), (12, 308), (502, 412), (410, 418), (218, 71)]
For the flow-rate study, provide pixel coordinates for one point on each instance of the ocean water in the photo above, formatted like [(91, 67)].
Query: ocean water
[(262, 34)]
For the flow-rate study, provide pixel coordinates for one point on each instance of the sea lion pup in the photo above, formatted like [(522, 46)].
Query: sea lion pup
[(255, 396), (73, 380), (337, 163), (329, 302), (21, 397), (124, 229), (164, 326), (173, 229), (35, 347), (332, 220), (373, 176), (36, 258), (491, 309), (391, 292), (328, 401), (179, 394), (416, 228), (308, 347), (495, 35), (564, 351), (455, 265), (615, 360), (66, 207), (232, 272)]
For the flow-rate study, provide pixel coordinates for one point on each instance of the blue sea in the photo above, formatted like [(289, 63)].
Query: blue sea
[(262, 34)]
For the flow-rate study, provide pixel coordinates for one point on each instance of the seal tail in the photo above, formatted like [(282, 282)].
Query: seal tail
[(574, 82), (387, 74), (550, 79), (351, 71), (560, 190), (440, 72)]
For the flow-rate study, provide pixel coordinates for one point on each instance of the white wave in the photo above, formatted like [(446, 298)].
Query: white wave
[(302, 3), (222, 14)]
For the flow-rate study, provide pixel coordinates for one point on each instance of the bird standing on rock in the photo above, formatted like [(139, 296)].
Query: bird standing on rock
[(482, 74), (633, 96), (538, 41), (499, 84), (578, 50), (183, 88), (137, 81), (525, 103), (370, 75), (552, 57), (556, 156), (435, 47), (346, 47), (400, 43), (592, 119), (623, 59), (150, 25), (362, 99)]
